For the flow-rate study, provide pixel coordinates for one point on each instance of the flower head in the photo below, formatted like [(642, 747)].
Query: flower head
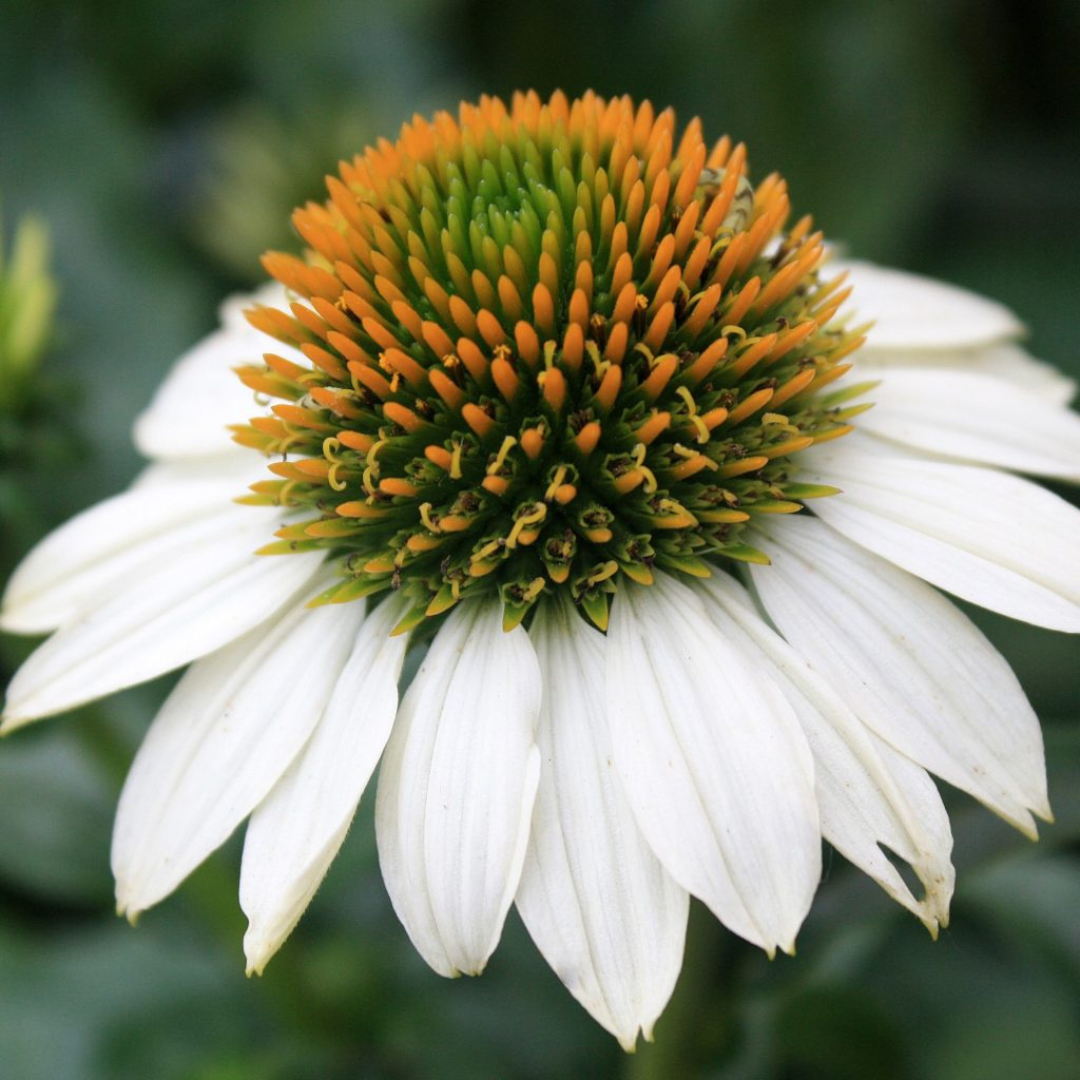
[(550, 348), (557, 395)]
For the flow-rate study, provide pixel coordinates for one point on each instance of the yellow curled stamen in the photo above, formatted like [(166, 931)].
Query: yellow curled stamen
[(507, 445), (487, 551), (772, 419), (426, 519), (536, 587), (720, 245), (455, 461), (556, 483), (286, 491), (372, 454), (332, 477), (599, 363), (534, 517), (330, 447), (691, 404), (606, 570)]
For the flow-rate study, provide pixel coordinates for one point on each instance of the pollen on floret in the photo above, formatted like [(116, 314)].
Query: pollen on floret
[(552, 345)]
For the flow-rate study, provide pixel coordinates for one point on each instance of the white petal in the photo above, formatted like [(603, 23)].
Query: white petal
[(598, 904), (246, 467), (225, 735), (457, 786), (912, 666), (1004, 361), (84, 561), (206, 595), (976, 417), (914, 312), (869, 794), (192, 409), (994, 539), (714, 762), (295, 832)]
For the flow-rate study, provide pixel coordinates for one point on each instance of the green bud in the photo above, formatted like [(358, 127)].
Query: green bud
[(28, 294)]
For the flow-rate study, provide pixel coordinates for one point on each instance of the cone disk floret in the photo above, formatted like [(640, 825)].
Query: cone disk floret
[(551, 345)]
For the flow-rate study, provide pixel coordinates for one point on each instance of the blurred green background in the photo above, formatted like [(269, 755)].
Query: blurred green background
[(164, 143)]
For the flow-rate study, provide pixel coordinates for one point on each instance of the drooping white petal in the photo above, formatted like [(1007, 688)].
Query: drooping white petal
[(192, 409), (87, 559), (457, 786), (870, 795), (714, 762), (296, 831), (1003, 361), (976, 417), (203, 596), (994, 539), (915, 312), (606, 915), (232, 726), (912, 666)]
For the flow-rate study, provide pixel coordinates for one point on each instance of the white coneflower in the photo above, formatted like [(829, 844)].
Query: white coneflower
[(558, 395)]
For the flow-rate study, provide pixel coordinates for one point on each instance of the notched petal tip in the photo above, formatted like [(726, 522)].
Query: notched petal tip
[(124, 910), (259, 950)]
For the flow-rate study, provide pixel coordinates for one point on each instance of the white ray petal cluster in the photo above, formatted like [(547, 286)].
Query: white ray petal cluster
[(232, 726), (166, 613), (704, 746), (86, 560), (986, 536), (912, 665), (869, 794), (718, 772), (296, 831), (914, 314), (600, 906), (976, 417), (457, 787)]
